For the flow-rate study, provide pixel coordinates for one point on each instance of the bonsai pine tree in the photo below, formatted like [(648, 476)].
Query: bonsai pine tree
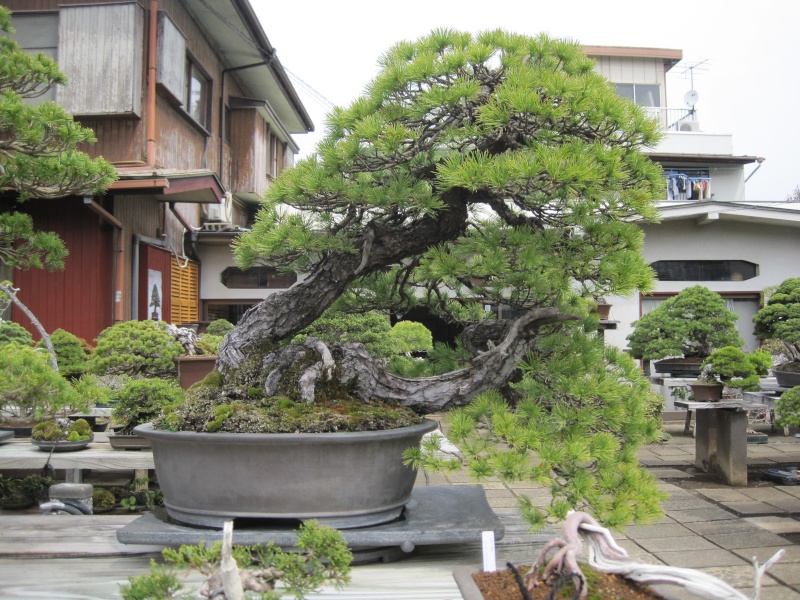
[(692, 324), (780, 320), (477, 170), (39, 158)]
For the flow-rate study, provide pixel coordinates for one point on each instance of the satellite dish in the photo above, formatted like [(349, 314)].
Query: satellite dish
[(690, 98)]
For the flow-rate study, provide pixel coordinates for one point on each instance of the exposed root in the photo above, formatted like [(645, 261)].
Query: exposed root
[(607, 556)]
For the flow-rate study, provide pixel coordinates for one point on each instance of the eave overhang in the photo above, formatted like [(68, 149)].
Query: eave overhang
[(706, 159), (198, 187), (704, 212)]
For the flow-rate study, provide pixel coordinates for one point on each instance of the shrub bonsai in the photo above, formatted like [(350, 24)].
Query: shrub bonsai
[(30, 390), (102, 499), (71, 354), (477, 170), (691, 324), (14, 332), (414, 338), (136, 348), (219, 327), (788, 407), (142, 400), (780, 320), (732, 367), (20, 492)]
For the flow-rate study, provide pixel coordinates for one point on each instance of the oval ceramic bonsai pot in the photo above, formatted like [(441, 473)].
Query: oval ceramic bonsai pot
[(344, 480), (679, 367), (192, 369), (786, 379), (707, 391)]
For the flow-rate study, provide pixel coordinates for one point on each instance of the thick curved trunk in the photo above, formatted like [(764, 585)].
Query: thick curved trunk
[(285, 313), (367, 378)]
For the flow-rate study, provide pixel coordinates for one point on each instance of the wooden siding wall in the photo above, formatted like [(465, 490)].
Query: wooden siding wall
[(249, 151), (99, 73), (79, 298)]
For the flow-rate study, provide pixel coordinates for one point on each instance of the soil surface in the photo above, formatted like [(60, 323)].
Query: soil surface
[(501, 585)]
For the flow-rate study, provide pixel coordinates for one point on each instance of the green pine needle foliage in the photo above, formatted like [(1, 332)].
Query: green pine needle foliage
[(71, 354), (14, 332), (136, 348), (584, 411)]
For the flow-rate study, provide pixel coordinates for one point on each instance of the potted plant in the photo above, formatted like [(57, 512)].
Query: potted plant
[(103, 500), (136, 348), (779, 320), (609, 573), (62, 435), (439, 206), (72, 353), (139, 401), (788, 407), (31, 391), (23, 492), (728, 366), (201, 355), (684, 330)]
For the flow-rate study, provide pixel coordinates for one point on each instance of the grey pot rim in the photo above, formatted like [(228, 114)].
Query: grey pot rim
[(222, 437)]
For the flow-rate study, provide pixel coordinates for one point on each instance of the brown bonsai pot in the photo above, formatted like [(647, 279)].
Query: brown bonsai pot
[(192, 369), (707, 391)]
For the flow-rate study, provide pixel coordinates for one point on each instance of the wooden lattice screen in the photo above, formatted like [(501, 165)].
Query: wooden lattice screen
[(185, 292)]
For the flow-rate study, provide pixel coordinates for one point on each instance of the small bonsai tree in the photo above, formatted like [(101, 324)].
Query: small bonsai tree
[(788, 407), (14, 332), (780, 320), (136, 348), (733, 367), (413, 337), (320, 556), (691, 324), (142, 400), (24, 491), (30, 390), (102, 499), (71, 354), (219, 327)]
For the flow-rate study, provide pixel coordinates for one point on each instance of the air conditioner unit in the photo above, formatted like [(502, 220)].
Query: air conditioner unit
[(689, 126), (222, 212)]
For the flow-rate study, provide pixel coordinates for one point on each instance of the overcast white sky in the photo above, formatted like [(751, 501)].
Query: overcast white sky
[(749, 85)]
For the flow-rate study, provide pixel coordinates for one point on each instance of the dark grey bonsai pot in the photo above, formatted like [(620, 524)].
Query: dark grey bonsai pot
[(786, 379), (344, 480)]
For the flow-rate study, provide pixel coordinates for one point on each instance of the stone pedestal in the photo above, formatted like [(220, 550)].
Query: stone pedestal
[(721, 443)]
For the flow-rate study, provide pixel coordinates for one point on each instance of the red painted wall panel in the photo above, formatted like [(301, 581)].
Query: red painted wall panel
[(155, 259), (79, 298)]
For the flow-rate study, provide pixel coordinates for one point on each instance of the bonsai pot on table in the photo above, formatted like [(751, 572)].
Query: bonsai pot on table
[(344, 480)]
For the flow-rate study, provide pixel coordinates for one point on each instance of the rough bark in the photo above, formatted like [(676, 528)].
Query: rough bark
[(12, 294), (283, 314), (367, 378)]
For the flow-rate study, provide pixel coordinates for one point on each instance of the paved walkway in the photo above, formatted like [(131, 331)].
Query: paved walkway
[(708, 525)]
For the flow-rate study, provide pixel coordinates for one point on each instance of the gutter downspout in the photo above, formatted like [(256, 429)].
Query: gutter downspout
[(151, 85)]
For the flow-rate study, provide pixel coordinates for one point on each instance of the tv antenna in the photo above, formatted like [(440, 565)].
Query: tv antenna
[(691, 67)]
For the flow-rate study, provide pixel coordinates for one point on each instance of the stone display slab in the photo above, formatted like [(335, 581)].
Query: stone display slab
[(435, 515)]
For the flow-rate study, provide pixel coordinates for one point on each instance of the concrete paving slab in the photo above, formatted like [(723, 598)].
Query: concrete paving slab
[(752, 507), (725, 494), (773, 593), (675, 543), (700, 514), (670, 473), (768, 494), (792, 490), (791, 554), (637, 532), (697, 559), (787, 573), (790, 506), (739, 577), (776, 524), (731, 526), (684, 504), (745, 539)]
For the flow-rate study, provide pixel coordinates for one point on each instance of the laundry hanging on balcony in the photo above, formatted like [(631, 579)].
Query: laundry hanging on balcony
[(681, 186)]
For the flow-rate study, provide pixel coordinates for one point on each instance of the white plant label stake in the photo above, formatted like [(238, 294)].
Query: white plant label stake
[(489, 559)]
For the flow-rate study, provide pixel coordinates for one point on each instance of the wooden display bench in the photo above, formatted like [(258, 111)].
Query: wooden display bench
[(720, 434)]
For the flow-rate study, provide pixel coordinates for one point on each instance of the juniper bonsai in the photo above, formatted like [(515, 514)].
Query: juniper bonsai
[(691, 324), (489, 170), (780, 320)]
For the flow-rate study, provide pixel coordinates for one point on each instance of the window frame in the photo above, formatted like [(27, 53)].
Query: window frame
[(193, 66)]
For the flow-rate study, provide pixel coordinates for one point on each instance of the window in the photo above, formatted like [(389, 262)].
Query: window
[(256, 277), (643, 94), (274, 150), (704, 270), (198, 94)]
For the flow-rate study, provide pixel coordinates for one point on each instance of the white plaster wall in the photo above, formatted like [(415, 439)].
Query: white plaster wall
[(775, 249), (214, 260)]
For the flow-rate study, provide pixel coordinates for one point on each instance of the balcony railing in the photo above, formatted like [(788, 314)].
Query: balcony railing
[(675, 119)]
